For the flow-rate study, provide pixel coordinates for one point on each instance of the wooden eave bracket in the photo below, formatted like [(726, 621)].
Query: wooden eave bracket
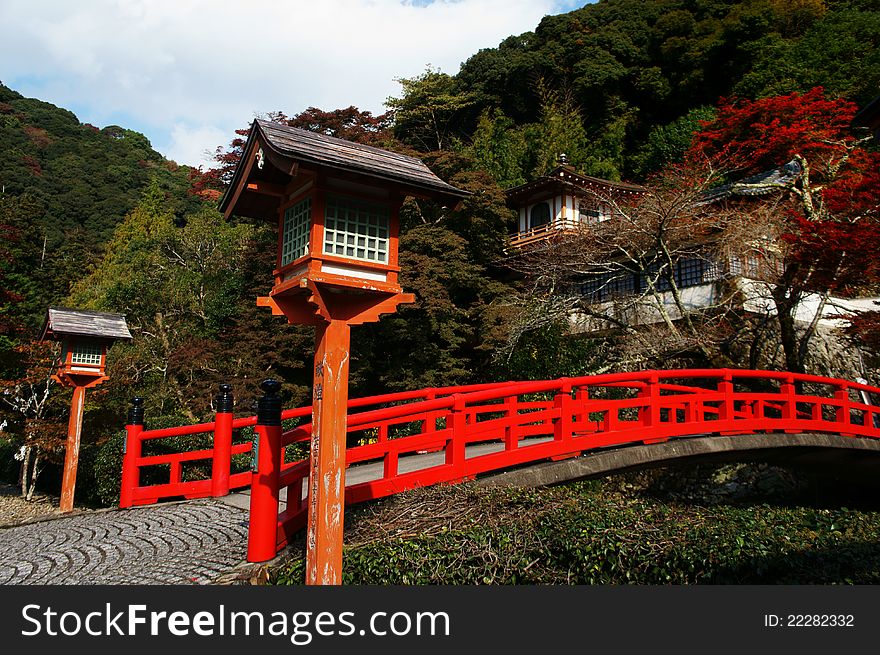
[(267, 189), (268, 301)]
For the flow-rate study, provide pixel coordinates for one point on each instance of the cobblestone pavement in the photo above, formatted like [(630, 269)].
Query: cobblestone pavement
[(178, 543)]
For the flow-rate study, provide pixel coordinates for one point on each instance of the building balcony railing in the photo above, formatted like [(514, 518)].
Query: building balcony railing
[(540, 233)]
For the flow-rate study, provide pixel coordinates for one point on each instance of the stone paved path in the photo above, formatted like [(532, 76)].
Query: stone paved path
[(191, 542), (177, 543)]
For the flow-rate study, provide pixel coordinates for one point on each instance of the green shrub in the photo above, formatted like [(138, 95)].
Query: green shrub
[(578, 535), (107, 466)]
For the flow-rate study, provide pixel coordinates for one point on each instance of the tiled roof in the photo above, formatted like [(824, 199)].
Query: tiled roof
[(757, 185), (566, 176)]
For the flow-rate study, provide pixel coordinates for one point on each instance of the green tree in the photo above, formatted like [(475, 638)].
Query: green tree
[(425, 113), (499, 148), (177, 287)]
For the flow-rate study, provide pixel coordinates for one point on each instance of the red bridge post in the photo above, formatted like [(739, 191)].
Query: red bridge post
[(456, 421), (263, 529), (725, 387), (649, 415), (221, 464), (842, 413), (132, 452), (562, 425), (787, 391), (511, 434)]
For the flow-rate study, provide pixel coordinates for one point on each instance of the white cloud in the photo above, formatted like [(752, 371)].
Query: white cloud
[(188, 70), (194, 145)]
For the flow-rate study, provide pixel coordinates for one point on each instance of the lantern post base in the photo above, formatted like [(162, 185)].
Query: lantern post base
[(332, 311)]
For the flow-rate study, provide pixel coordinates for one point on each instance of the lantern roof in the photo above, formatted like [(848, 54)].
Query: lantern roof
[(289, 148), (80, 322)]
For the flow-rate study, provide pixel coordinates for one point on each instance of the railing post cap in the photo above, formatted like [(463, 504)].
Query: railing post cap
[(224, 401), (136, 411), (269, 405)]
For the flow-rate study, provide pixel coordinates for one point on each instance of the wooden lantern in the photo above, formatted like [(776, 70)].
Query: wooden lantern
[(336, 205), (85, 337)]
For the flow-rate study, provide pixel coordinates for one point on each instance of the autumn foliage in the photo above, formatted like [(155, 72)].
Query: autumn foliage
[(828, 219), (754, 136)]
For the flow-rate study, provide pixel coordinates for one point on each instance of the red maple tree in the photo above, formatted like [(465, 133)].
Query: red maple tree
[(829, 223)]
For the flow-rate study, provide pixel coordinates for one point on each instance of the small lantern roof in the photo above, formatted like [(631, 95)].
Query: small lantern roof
[(80, 322), (287, 149)]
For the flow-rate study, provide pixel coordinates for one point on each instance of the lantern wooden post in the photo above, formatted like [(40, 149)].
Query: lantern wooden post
[(336, 205), (85, 337), (327, 457), (71, 452)]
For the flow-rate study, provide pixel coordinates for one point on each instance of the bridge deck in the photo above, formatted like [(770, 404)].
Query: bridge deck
[(373, 471)]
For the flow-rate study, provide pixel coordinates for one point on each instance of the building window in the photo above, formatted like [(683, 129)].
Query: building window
[(602, 212), (539, 215), (622, 285), (608, 285), (748, 266), (295, 239), (86, 353), (689, 273), (657, 276), (592, 289), (588, 216), (356, 229)]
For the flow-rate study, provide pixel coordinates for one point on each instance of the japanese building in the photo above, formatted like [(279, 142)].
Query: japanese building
[(564, 203)]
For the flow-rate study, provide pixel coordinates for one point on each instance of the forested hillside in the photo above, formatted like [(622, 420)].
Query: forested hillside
[(619, 85), (95, 218), (65, 186)]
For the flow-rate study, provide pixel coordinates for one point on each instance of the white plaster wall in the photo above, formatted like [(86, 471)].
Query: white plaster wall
[(757, 299)]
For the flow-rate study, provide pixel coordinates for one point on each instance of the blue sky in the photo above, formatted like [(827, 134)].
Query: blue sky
[(187, 73)]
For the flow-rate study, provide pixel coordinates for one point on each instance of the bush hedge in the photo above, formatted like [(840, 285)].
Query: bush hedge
[(579, 535)]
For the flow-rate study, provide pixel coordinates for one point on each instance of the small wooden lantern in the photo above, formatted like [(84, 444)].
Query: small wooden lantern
[(336, 205), (85, 337)]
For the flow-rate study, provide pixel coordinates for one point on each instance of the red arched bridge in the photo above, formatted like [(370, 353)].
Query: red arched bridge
[(405, 440)]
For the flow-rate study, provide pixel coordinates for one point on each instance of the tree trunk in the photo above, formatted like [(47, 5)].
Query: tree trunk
[(35, 472), (785, 309), (23, 471)]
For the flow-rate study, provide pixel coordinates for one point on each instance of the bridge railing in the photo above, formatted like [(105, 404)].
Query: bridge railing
[(417, 438), (186, 473), (457, 436)]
